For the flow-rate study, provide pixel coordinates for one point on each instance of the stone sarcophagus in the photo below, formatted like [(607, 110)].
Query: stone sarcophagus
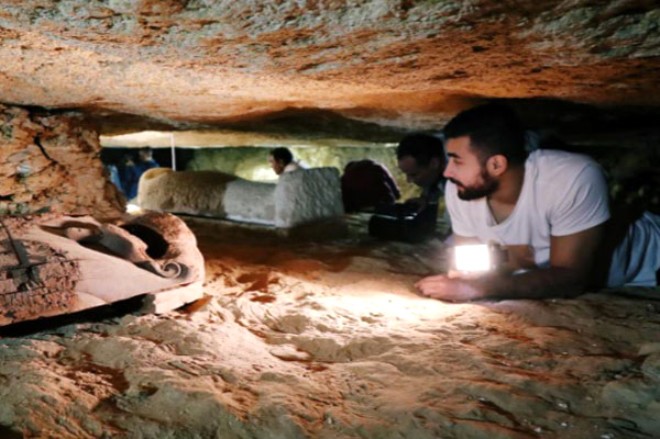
[(54, 264), (300, 197)]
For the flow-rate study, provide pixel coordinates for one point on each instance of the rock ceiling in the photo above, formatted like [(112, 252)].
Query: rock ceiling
[(368, 66)]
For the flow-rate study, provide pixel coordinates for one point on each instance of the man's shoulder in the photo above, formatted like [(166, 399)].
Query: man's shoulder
[(571, 191), (558, 156), (290, 167), (551, 164), (145, 165)]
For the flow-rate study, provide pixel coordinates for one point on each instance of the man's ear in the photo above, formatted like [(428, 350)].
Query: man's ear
[(496, 165)]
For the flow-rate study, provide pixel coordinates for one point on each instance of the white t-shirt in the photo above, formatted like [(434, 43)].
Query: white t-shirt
[(294, 166), (563, 193)]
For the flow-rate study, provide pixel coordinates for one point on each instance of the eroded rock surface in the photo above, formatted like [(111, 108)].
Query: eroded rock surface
[(49, 163), (401, 63)]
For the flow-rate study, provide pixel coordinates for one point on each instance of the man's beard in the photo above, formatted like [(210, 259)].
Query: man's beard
[(487, 187)]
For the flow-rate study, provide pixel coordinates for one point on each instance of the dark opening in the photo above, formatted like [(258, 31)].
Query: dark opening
[(156, 245)]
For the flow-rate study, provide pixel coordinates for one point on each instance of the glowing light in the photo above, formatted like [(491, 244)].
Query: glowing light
[(472, 258), (133, 208)]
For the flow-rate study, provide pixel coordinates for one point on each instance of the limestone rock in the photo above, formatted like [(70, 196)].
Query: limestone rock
[(397, 63), (49, 163)]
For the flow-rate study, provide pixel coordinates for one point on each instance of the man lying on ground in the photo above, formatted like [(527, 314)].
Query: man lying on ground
[(548, 209)]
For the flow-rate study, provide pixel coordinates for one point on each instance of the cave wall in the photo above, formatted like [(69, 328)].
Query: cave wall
[(251, 163), (50, 163)]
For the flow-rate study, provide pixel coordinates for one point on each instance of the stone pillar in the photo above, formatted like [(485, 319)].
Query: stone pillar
[(50, 163)]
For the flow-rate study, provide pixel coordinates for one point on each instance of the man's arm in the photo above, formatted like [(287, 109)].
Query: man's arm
[(571, 259)]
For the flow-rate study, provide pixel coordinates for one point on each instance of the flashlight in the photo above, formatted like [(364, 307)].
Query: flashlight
[(478, 258)]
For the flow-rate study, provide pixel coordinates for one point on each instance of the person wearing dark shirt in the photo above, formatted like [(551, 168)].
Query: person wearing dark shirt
[(421, 158), (133, 171), (366, 184)]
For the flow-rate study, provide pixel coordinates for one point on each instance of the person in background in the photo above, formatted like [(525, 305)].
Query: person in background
[(113, 174), (281, 160), (547, 209), (127, 174), (366, 184), (421, 158), (145, 160), (133, 170)]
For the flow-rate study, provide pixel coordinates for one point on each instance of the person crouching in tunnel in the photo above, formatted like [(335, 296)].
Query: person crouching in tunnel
[(421, 158), (548, 210), (281, 160)]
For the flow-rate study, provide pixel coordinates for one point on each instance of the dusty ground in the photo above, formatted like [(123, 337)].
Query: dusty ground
[(328, 340)]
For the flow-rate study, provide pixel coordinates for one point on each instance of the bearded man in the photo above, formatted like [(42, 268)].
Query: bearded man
[(549, 210)]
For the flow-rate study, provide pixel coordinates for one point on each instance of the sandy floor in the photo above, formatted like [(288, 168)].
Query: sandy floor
[(328, 340)]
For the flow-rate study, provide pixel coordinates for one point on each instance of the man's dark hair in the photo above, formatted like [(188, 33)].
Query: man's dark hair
[(282, 154), (493, 129), (422, 147)]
